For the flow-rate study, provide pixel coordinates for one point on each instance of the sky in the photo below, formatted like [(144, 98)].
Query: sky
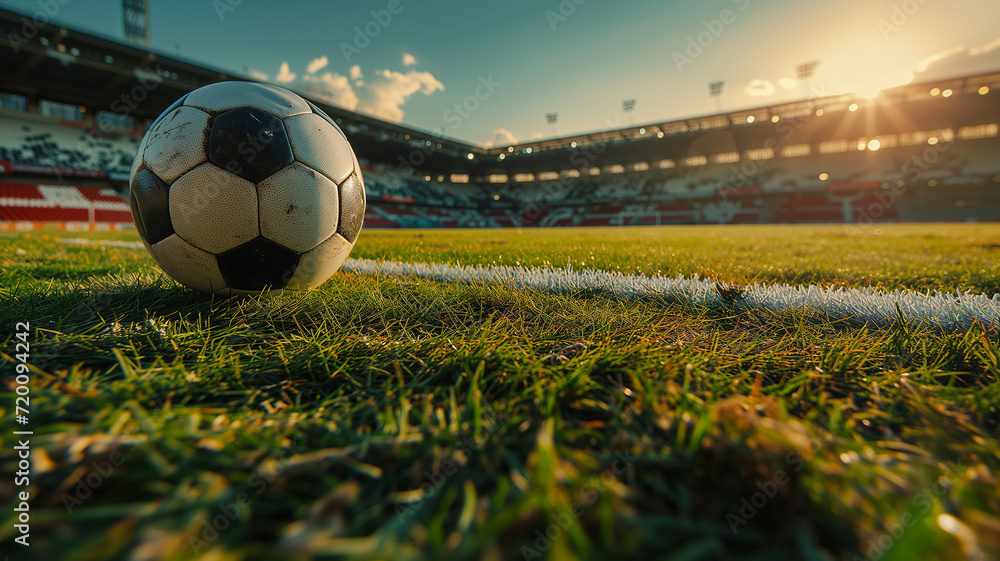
[(489, 72)]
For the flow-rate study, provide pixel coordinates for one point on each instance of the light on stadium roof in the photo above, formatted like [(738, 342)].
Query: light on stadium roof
[(932, 140), (824, 176), (572, 144), (935, 91), (496, 197), (642, 131), (984, 90), (874, 144), (510, 148), (946, 93), (853, 107), (527, 150), (502, 156), (470, 156), (775, 118), (750, 119), (659, 134), (819, 112), (427, 178)]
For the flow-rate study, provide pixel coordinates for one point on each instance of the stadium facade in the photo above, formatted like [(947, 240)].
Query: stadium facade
[(74, 105)]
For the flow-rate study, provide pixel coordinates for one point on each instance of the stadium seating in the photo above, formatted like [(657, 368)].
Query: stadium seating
[(34, 203), (34, 141)]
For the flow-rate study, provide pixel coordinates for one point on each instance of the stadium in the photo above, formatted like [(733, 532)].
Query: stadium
[(761, 333)]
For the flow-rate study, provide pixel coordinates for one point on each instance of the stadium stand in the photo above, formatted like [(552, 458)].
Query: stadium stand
[(922, 151), (42, 145), (28, 206)]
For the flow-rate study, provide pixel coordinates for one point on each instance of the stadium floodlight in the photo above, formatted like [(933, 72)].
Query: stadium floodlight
[(628, 105), (715, 90), (804, 72), (135, 15), (551, 119)]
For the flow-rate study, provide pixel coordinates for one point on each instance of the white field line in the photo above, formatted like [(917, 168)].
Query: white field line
[(864, 306), (876, 308)]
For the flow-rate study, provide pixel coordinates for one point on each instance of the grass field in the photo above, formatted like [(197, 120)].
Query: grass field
[(399, 418)]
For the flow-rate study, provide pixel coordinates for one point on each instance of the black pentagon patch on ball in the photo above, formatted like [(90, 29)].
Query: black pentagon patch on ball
[(352, 208), (257, 265), (149, 198), (250, 143)]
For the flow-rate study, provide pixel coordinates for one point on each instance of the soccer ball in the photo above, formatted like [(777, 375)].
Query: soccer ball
[(240, 187)]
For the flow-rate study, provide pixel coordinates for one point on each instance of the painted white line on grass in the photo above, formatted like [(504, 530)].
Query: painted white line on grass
[(118, 243), (861, 305), (878, 308)]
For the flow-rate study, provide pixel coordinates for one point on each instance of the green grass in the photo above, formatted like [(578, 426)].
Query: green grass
[(384, 418)]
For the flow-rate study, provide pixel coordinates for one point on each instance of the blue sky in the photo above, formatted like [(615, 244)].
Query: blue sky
[(507, 64)]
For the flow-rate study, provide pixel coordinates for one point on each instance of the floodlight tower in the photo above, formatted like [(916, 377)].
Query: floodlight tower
[(135, 15), (804, 73), (715, 90), (551, 119), (628, 105)]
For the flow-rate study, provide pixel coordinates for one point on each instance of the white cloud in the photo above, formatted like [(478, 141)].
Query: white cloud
[(759, 87), (356, 72), (992, 45), (284, 75), (384, 95), (536, 136), (923, 64), (316, 64), (788, 83), (332, 88), (958, 60), (258, 75), (408, 59), (500, 137)]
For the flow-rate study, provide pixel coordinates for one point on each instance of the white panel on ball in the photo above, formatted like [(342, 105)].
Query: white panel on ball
[(177, 144), (213, 209), (189, 265), (299, 207), (319, 263), (319, 145), (229, 95)]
